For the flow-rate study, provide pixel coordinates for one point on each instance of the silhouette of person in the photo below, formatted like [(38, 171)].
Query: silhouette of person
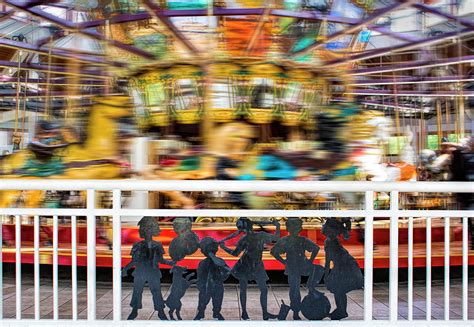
[(146, 255), (296, 262), (211, 274), (250, 265), (185, 243), (345, 276)]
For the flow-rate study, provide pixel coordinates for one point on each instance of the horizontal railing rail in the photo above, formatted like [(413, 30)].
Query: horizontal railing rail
[(235, 186), (117, 213)]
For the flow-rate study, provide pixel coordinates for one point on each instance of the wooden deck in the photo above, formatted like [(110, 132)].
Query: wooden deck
[(231, 307)]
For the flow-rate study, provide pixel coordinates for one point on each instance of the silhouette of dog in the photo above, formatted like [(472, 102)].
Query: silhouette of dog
[(179, 286)]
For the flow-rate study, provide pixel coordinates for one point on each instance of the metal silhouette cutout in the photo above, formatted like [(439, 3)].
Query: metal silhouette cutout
[(315, 305), (345, 275), (146, 256), (296, 262), (250, 265), (179, 286), (185, 243), (211, 274)]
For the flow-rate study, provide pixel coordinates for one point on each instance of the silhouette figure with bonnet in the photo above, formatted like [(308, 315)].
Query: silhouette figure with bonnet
[(296, 262), (345, 276), (211, 274), (146, 256), (250, 265), (185, 243)]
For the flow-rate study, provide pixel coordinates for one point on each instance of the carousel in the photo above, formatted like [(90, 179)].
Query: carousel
[(229, 90)]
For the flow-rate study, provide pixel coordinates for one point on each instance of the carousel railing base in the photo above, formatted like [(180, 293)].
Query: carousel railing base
[(117, 213)]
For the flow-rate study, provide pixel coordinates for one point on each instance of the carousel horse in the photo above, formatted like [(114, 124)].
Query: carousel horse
[(329, 160), (370, 161), (92, 159), (227, 139), (350, 144), (331, 156), (230, 139), (405, 169)]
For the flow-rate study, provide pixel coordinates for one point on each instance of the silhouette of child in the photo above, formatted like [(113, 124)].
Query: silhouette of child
[(186, 242), (211, 274), (345, 276), (146, 255), (250, 264), (296, 262)]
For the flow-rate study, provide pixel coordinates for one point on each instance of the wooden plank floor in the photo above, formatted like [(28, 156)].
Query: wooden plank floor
[(231, 306)]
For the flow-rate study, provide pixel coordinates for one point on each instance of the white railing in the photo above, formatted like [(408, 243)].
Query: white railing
[(117, 212)]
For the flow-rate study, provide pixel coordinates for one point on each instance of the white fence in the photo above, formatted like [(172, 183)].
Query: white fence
[(117, 186)]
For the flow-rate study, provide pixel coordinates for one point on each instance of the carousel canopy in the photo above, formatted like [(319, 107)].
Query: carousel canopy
[(411, 56)]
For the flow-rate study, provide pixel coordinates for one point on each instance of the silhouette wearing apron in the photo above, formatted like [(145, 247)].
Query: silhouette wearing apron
[(296, 262), (146, 256), (250, 265), (345, 275)]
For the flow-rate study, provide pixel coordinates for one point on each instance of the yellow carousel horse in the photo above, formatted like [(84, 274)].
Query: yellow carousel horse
[(93, 159), (231, 139)]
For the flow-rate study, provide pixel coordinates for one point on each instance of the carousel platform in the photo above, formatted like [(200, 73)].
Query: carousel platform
[(231, 307)]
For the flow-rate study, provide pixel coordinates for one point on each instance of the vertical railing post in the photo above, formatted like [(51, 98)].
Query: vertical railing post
[(74, 266), (410, 268), (465, 269), (428, 268), (55, 269), (446, 267), (91, 256), (368, 254), (18, 265), (36, 227), (117, 256), (393, 283)]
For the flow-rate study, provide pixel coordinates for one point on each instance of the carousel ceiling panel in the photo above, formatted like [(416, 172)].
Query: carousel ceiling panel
[(381, 41), (153, 42), (9, 25), (80, 43), (200, 30), (243, 3), (239, 32), (298, 34), (186, 5), (63, 13), (79, 4), (290, 26), (12, 27), (107, 9), (447, 25)]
